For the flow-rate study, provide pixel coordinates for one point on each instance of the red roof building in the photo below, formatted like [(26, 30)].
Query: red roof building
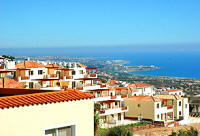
[(10, 83), (42, 98), (29, 64)]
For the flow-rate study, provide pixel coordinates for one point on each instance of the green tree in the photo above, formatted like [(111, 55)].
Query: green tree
[(8, 57)]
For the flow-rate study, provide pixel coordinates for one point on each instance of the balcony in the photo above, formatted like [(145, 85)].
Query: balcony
[(25, 78), (113, 97), (2, 67), (124, 96), (69, 77), (66, 77), (79, 88), (124, 108), (104, 98), (169, 107), (53, 75), (112, 111), (93, 75), (90, 76), (102, 86), (98, 99)]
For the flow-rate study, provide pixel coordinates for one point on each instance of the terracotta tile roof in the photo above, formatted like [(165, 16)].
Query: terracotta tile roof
[(53, 66), (112, 84), (140, 85), (173, 90), (20, 91), (43, 98), (111, 81), (121, 88), (168, 97), (144, 98), (10, 83), (29, 64), (83, 65)]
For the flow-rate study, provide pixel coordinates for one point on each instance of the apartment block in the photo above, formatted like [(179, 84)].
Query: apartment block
[(38, 113)]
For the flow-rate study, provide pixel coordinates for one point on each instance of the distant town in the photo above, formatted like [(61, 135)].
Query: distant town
[(71, 95)]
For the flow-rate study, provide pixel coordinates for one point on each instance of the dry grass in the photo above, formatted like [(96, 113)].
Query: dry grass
[(164, 131)]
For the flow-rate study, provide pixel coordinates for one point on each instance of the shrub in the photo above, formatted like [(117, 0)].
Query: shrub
[(119, 131), (191, 132), (137, 124)]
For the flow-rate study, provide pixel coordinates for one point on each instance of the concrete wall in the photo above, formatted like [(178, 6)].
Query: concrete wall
[(148, 91), (33, 120), (145, 108), (179, 109), (185, 108)]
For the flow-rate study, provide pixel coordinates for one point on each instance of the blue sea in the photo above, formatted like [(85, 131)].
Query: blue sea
[(172, 63)]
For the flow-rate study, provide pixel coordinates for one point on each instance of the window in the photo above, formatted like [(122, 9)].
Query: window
[(111, 94), (30, 84), (64, 131), (158, 105), (158, 116), (58, 83), (73, 72), (40, 72), (180, 103), (115, 103), (179, 113), (81, 71), (186, 106), (139, 105), (98, 94), (30, 72)]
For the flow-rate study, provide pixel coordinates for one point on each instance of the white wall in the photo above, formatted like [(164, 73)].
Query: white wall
[(32, 120)]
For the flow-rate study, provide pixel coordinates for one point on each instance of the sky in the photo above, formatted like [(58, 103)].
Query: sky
[(71, 23)]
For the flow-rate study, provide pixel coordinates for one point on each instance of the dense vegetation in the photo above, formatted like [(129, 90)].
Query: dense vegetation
[(191, 132), (8, 57)]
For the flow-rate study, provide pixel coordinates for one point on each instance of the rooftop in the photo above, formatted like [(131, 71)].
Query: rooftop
[(42, 98), (140, 85), (173, 90), (29, 64), (53, 66), (10, 83), (83, 65), (174, 97), (144, 98)]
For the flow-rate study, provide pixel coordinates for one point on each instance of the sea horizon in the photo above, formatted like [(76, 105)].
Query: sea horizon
[(172, 63)]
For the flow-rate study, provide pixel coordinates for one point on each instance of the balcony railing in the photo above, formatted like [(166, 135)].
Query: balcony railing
[(93, 75), (90, 75), (113, 110), (2, 67), (25, 78), (113, 97), (66, 77), (102, 111), (123, 96), (169, 107), (79, 88), (53, 75), (69, 77), (102, 86), (124, 108)]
